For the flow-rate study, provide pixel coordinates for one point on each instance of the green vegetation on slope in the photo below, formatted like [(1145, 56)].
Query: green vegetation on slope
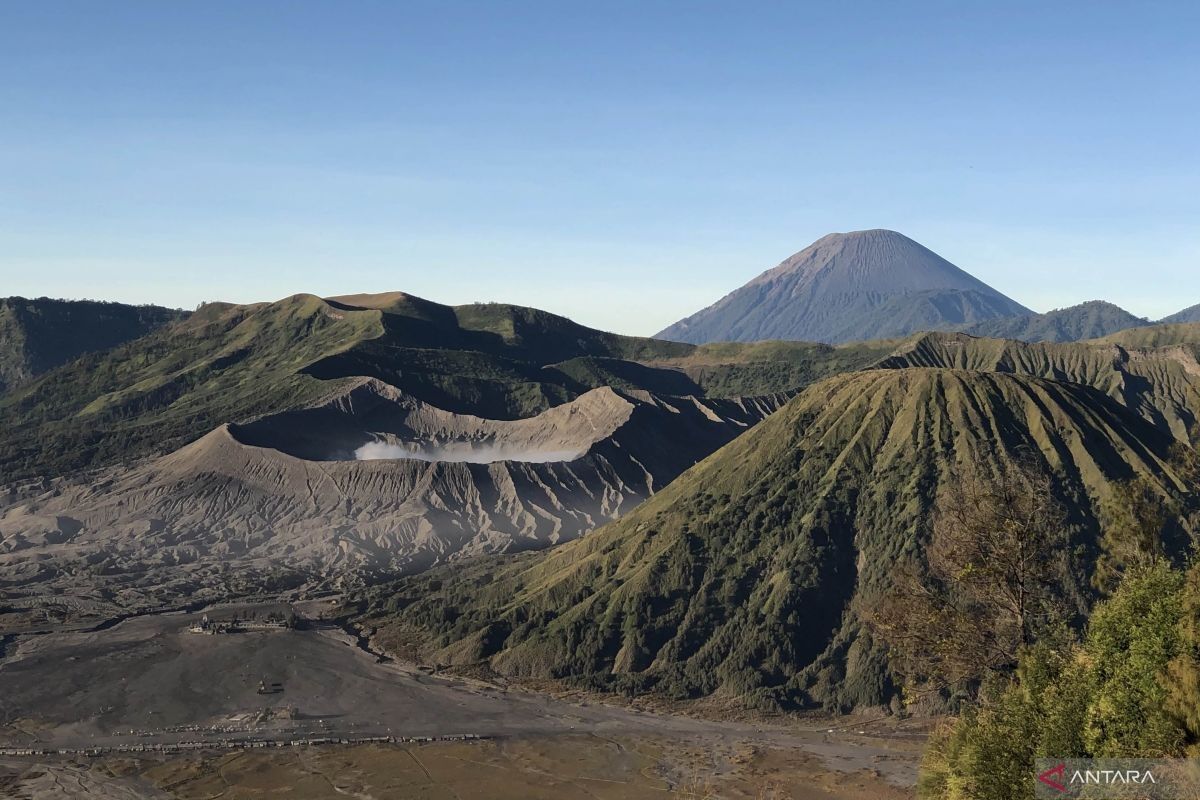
[(744, 576), (1089, 320), (1127, 689), (491, 359), (1181, 334), (504, 361), (731, 369), (158, 392), (37, 335), (234, 363), (1152, 371)]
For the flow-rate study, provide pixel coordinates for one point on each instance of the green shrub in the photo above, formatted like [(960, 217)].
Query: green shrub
[(1107, 696)]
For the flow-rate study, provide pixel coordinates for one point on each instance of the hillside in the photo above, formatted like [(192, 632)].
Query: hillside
[(223, 363), (742, 578), (1089, 320), (37, 335), (1190, 314), (1180, 334), (230, 363), (369, 483), (1153, 371), (844, 287)]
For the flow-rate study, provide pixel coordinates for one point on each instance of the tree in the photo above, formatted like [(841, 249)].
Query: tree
[(1185, 462), (1182, 679), (1108, 696), (1143, 525), (1131, 638), (992, 579), (1129, 688), (1136, 520)]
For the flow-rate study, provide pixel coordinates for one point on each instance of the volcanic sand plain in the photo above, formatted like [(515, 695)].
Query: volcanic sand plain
[(147, 680)]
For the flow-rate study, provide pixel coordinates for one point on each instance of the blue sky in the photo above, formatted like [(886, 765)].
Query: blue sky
[(621, 163)]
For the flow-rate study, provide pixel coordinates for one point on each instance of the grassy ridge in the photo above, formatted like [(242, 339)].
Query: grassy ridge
[(232, 363), (1166, 335), (1153, 371)]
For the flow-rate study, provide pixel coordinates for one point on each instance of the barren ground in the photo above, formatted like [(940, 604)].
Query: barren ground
[(147, 681)]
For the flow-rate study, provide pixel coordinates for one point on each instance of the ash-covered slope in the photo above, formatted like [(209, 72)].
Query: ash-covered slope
[(855, 286), (743, 577), (283, 502), (372, 420), (1089, 320)]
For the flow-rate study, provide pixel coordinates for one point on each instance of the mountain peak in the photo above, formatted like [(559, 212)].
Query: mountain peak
[(868, 234), (849, 286), (877, 249)]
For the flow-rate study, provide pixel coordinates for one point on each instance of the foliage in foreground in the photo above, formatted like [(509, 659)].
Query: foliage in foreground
[(1128, 689)]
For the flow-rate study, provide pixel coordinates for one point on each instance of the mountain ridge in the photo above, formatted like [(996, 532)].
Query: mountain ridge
[(1190, 314), (230, 363), (1153, 371), (1088, 320)]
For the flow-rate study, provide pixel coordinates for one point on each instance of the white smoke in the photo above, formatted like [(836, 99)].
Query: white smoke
[(460, 452)]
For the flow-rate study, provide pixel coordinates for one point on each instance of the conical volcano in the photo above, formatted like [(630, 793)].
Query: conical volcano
[(849, 287)]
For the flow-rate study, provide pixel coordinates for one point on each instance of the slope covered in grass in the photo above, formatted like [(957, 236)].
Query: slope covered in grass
[(1153, 371), (156, 393), (744, 576), (37, 335), (1180, 334)]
